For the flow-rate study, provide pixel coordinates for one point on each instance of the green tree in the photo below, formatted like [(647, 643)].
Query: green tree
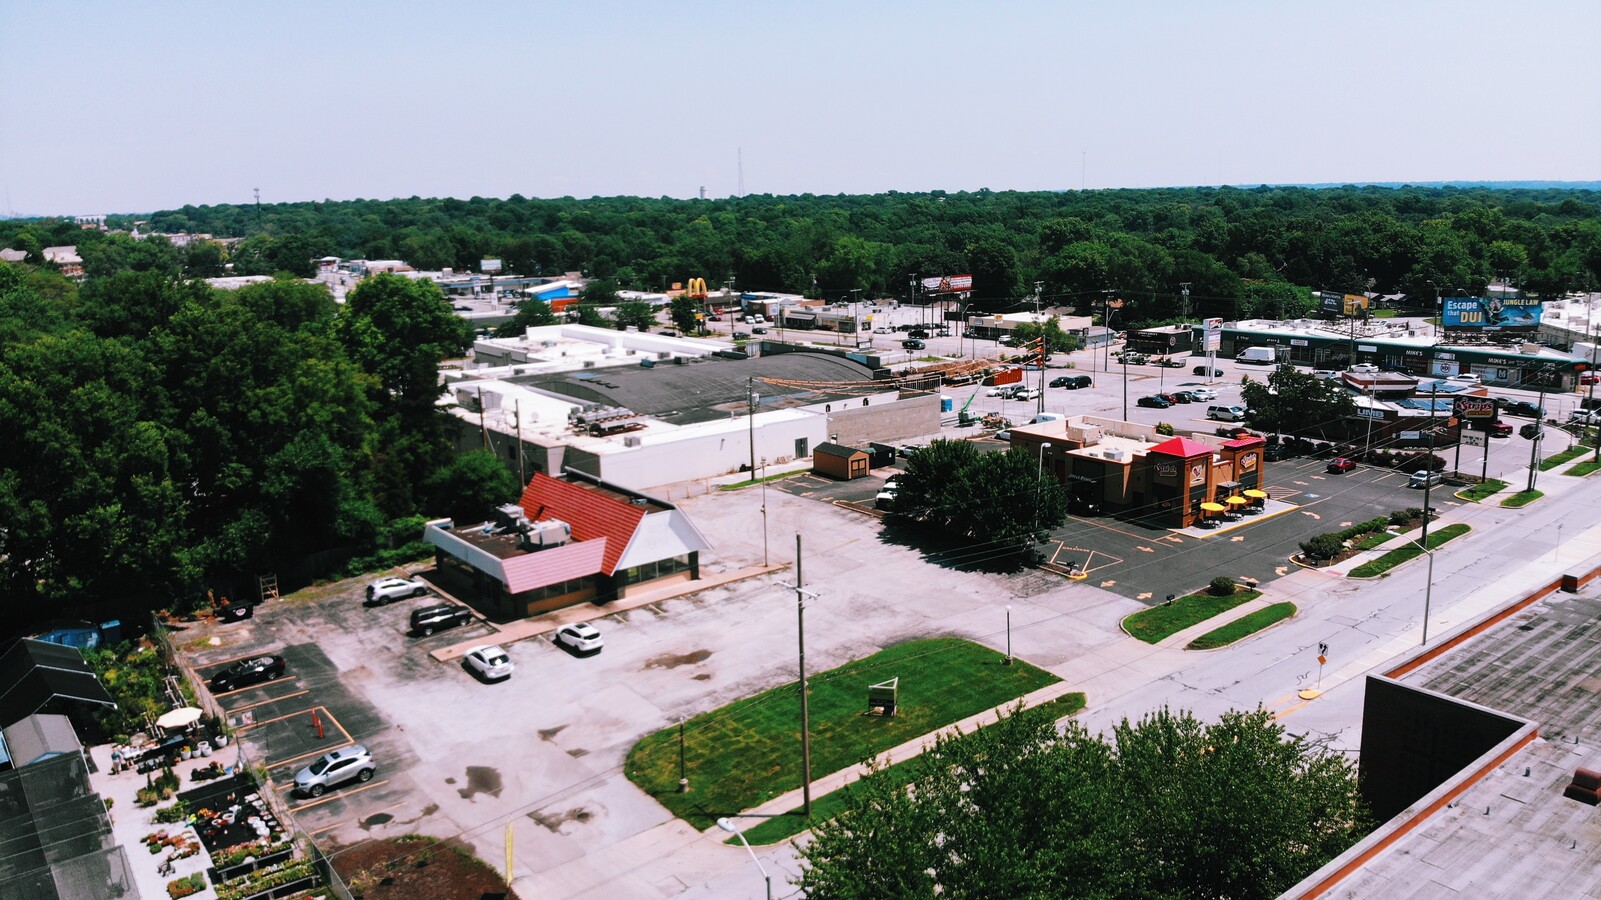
[(600, 292), (1298, 403), (685, 313), (635, 314), (470, 486), (997, 498), (203, 259), (399, 330), (1056, 341), (1235, 809), (531, 313)]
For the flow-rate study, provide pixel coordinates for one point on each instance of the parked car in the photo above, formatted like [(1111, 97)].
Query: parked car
[(1340, 465), (907, 450), (1226, 413), (1521, 408), (1183, 397), (1326, 374), (1276, 452), (352, 763), (430, 619), (1026, 393), (1168, 362), (758, 330), (247, 672), (741, 335), (913, 345), (1498, 429), (1061, 381), (1170, 398), (1203, 395), (1153, 402), (1585, 417), (1424, 478), (1203, 370), (1465, 378), (581, 636), (1007, 391), (388, 590), (490, 661), (1079, 381), (918, 333)]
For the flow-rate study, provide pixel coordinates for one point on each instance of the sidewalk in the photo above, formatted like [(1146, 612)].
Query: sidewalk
[(544, 623)]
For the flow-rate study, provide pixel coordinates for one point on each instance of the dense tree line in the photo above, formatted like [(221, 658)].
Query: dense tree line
[(163, 438), (1242, 251)]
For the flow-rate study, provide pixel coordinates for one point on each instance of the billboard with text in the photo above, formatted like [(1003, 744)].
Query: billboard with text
[(1491, 314), (948, 284)]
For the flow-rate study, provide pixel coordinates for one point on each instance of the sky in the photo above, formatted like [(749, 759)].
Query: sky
[(120, 107)]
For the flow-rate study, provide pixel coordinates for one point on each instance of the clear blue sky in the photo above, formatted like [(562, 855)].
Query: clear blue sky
[(136, 106)]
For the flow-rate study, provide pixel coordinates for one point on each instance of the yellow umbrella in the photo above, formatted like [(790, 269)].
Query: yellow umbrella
[(1256, 494), (1209, 506), (1235, 501)]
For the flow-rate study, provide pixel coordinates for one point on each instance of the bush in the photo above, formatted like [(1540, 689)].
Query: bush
[(189, 884), (1221, 586), (1403, 516), (178, 812), (1322, 547), (1164, 429)]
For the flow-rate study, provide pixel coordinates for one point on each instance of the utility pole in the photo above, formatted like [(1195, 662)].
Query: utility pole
[(1039, 288), (750, 415), (1184, 304), (1539, 433), (806, 721), (1589, 403)]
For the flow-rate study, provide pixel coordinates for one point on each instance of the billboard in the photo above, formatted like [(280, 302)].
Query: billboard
[(1336, 304), (1214, 335), (1494, 313), (948, 284), (1475, 407), (489, 265)]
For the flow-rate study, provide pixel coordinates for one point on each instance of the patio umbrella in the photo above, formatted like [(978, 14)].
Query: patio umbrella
[(180, 718), (1255, 494), (1209, 506), (1236, 500)]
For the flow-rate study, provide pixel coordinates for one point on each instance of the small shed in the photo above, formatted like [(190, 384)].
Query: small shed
[(840, 461)]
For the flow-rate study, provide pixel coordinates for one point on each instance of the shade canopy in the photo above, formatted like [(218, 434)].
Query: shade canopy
[(1235, 501), (1209, 506), (179, 718), (1256, 494)]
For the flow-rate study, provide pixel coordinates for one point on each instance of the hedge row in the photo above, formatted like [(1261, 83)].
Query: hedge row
[(1324, 547)]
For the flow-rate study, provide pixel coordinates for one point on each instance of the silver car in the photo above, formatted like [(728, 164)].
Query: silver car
[(490, 661), (352, 763)]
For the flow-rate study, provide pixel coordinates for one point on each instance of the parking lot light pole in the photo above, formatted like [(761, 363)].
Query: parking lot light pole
[(1008, 634), (728, 825), (806, 724), (1428, 589)]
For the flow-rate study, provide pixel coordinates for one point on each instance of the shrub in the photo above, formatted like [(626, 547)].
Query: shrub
[(1322, 547), (189, 884), (1164, 429), (177, 812), (1403, 516), (1221, 586)]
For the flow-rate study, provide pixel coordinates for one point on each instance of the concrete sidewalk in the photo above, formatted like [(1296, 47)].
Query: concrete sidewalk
[(545, 623)]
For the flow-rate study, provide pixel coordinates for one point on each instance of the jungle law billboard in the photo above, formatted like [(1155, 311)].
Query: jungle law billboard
[(1495, 313)]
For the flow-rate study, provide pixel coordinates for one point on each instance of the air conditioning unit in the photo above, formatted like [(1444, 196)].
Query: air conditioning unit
[(589, 364), (631, 441)]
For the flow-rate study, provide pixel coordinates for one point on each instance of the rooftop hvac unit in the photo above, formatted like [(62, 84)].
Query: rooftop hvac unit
[(631, 441), (467, 398), (589, 364), (489, 400), (546, 533), (1114, 454), (664, 355), (680, 360)]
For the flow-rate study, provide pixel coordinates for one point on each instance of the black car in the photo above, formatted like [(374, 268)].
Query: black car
[(1061, 381), (1203, 370), (1153, 402), (430, 619), (912, 345), (919, 333), (1078, 381), (246, 673), (1183, 397), (1522, 408)]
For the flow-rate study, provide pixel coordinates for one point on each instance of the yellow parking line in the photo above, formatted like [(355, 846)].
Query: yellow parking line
[(329, 799), (294, 759), (267, 701), (240, 690), (224, 662), (276, 719)]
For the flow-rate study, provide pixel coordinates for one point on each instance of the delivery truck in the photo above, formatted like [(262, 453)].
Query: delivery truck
[(1260, 355)]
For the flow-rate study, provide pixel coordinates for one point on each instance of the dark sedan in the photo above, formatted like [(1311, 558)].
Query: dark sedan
[(1153, 402), (246, 673), (1203, 370), (1182, 397), (1522, 408)]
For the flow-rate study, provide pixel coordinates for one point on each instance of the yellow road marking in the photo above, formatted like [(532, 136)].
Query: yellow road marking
[(329, 798)]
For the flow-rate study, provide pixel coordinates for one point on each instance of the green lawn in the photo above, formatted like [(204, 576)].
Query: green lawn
[(1522, 498), (1411, 551), (826, 807), (1480, 491), (1158, 622), (1371, 540), (1566, 456), (1244, 626), (745, 484), (1583, 469), (748, 752)]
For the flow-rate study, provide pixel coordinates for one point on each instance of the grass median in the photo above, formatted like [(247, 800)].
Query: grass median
[(1411, 551), (1482, 490), (1583, 469), (1566, 456), (1521, 499), (826, 807), (1159, 622), (1243, 627), (748, 752)]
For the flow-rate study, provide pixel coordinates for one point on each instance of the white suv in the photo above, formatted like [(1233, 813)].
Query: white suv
[(388, 590), (581, 636)]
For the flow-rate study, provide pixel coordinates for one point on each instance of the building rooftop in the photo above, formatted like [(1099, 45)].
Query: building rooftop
[(1513, 834)]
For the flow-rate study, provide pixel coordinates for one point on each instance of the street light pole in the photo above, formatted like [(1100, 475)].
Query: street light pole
[(806, 720), (1008, 634), (750, 415), (729, 826)]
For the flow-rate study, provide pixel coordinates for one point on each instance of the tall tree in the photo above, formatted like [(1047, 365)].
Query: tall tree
[(398, 330), (1170, 807)]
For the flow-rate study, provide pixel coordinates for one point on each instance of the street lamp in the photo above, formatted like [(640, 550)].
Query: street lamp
[(728, 826), (1008, 634), (1428, 589), (1043, 447)]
